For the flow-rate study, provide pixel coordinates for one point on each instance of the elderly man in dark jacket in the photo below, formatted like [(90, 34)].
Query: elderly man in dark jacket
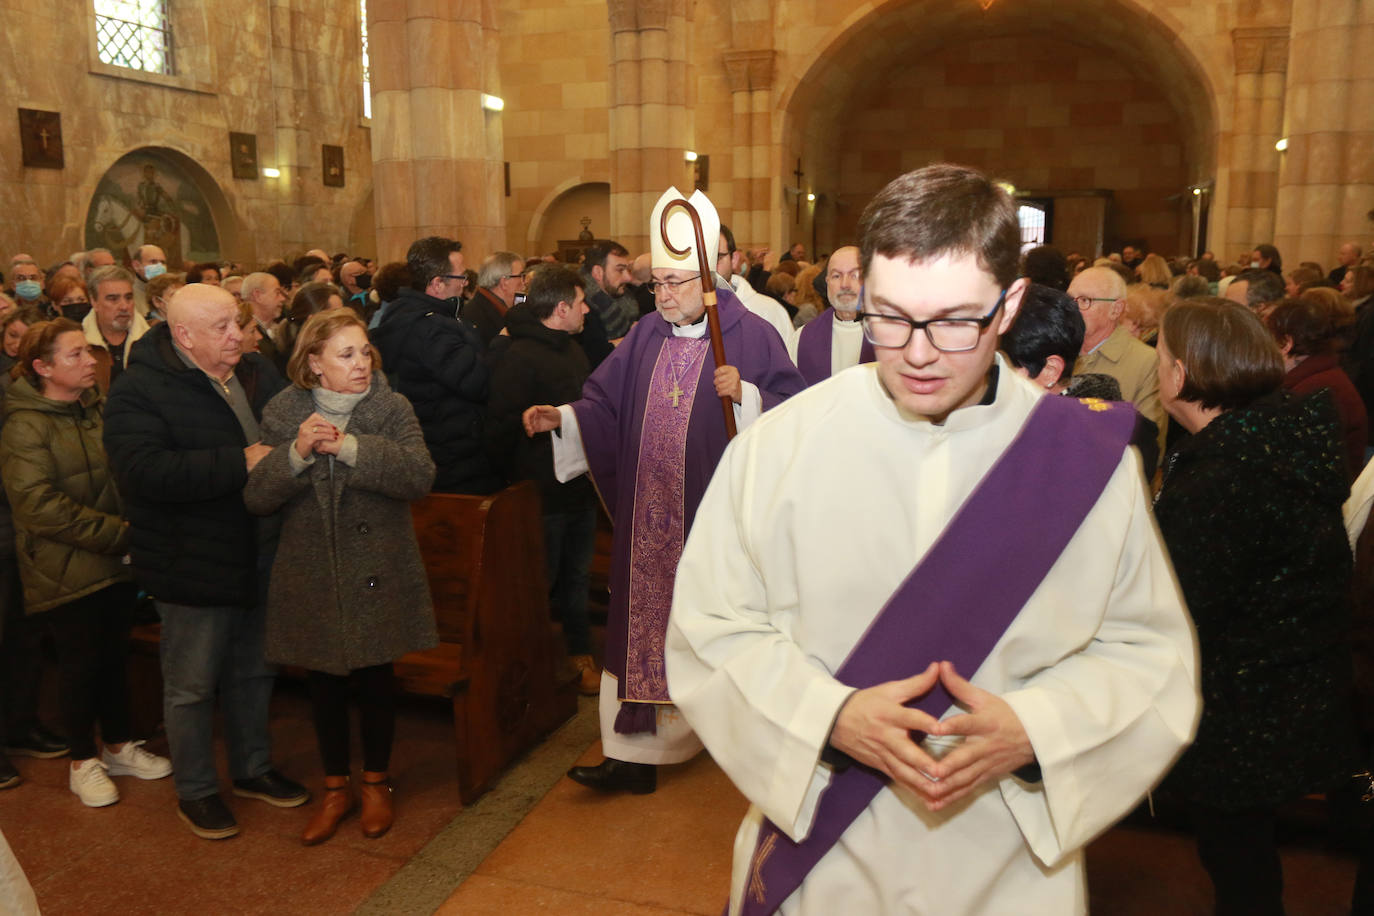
[(436, 361), (540, 363), (181, 432)]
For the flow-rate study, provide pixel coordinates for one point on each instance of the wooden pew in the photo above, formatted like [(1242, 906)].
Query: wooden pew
[(497, 653), (485, 559)]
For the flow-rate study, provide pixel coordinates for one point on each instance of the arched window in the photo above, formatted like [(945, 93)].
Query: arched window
[(134, 33)]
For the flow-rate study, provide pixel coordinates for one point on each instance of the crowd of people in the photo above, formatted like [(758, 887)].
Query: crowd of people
[(240, 448)]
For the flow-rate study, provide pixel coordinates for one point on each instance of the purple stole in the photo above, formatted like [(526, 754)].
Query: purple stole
[(1021, 515), (659, 526), (813, 348)]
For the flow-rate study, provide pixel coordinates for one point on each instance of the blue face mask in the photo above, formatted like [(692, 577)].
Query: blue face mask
[(153, 270), (28, 289)]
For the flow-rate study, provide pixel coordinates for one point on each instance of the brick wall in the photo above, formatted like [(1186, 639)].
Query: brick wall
[(1041, 113)]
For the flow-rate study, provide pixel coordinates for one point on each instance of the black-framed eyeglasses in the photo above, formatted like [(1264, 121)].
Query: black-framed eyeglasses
[(669, 287), (948, 335), (454, 277), (1086, 302), (513, 277)]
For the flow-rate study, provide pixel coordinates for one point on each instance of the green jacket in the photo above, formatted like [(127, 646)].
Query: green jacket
[(70, 537)]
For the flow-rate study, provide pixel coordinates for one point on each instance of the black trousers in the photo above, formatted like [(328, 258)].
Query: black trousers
[(91, 635), (1241, 855), (375, 688), (21, 657)]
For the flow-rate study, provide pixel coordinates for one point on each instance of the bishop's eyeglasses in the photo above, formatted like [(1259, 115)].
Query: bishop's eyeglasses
[(669, 287), (948, 335)]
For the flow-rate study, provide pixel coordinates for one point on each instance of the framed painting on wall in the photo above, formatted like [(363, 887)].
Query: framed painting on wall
[(243, 155), (40, 138), (333, 166)]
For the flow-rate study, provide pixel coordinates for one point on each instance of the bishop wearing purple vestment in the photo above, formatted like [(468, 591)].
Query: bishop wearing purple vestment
[(650, 430)]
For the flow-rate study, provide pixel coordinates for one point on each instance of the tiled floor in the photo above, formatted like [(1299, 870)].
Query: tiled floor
[(577, 853), (137, 857), (536, 843)]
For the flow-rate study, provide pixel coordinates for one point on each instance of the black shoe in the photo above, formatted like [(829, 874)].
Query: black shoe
[(37, 741), (209, 818), (9, 776), (273, 788), (617, 776)]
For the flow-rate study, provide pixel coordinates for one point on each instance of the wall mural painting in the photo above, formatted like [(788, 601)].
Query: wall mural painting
[(147, 199)]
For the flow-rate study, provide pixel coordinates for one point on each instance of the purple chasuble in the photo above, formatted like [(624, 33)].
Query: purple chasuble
[(814, 346), (622, 406), (658, 529), (1020, 517)]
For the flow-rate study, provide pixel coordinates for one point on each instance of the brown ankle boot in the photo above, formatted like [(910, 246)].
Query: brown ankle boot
[(337, 805), (378, 813)]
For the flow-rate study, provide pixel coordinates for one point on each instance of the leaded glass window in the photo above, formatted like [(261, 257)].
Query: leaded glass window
[(134, 33)]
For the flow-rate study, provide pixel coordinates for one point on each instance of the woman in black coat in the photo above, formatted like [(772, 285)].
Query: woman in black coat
[(348, 593), (1251, 512)]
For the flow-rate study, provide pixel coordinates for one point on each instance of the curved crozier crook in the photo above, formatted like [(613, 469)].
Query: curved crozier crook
[(663, 223)]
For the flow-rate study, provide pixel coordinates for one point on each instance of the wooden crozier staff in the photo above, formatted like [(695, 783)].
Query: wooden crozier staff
[(708, 295)]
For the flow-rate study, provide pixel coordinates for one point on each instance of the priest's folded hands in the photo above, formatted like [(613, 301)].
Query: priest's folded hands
[(874, 727)]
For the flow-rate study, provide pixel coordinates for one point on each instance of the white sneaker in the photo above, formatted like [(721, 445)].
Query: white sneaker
[(133, 760), (91, 785)]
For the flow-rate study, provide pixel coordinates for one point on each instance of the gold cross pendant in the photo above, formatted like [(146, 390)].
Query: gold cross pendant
[(675, 393)]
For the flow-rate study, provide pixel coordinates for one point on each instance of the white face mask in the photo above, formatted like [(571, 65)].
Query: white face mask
[(1254, 263), (153, 271)]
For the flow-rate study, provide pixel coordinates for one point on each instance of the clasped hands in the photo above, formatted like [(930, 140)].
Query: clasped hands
[(316, 434), (874, 727)]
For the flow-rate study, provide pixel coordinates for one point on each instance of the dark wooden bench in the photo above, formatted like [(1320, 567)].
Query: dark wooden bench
[(498, 652)]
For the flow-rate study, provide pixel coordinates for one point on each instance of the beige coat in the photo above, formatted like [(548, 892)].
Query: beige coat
[(1134, 365)]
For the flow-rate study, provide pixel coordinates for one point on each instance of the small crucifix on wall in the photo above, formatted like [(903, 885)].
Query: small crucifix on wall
[(799, 174), (40, 138)]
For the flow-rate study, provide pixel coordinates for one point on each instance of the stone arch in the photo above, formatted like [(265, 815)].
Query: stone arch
[(232, 238), (546, 216), (818, 78)]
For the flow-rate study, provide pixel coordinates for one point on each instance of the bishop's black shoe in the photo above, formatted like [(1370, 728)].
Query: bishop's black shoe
[(613, 775)]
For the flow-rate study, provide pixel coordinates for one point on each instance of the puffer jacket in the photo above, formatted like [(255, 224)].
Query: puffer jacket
[(177, 451), (69, 534), (435, 361)]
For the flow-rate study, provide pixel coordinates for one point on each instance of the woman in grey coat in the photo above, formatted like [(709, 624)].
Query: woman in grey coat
[(348, 593)]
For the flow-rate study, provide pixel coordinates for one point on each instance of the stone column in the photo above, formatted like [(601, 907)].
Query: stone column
[(750, 74), (1261, 57), (1326, 183), (437, 155), (291, 139), (650, 125)]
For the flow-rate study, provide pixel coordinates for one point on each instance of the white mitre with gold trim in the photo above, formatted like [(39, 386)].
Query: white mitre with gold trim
[(681, 234)]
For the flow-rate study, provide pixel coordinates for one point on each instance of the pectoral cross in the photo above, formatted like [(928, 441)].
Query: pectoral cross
[(676, 393)]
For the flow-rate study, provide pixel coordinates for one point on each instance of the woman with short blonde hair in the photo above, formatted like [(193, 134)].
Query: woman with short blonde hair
[(348, 592)]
